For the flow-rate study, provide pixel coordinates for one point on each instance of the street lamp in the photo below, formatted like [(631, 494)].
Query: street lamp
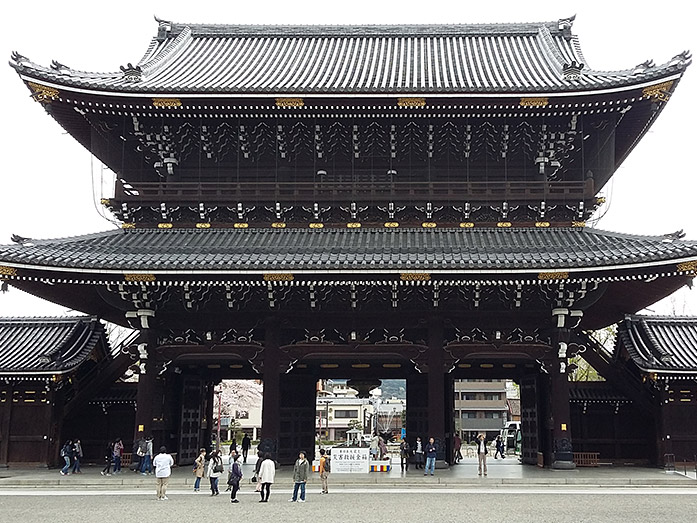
[(219, 393)]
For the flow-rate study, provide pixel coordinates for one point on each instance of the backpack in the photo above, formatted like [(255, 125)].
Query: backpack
[(327, 464)]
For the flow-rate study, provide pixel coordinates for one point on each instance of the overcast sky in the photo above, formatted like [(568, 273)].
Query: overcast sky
[(46, 189)]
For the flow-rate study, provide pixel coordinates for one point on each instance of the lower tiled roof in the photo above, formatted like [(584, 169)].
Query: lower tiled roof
[(660, 343), (595, 392), (47, 345), (347, 249)]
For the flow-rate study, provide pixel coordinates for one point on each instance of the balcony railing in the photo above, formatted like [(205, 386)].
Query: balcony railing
[(222, 193)]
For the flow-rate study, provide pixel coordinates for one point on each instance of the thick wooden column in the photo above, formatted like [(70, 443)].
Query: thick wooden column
[(147, 376), (436, 387), (270, 413), (417, 408), (563, 457), (5, 416)]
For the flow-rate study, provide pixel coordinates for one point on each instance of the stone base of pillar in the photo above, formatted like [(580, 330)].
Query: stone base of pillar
[(563, 465)]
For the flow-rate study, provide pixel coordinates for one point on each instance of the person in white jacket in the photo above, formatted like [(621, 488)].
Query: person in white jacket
[(215, 470), (267, 474)]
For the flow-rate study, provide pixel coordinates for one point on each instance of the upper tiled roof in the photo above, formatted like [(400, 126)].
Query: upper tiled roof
[(364, 250), (47, 345), (238, 59), (660, 343)]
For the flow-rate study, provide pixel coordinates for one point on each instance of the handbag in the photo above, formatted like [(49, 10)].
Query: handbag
[(254, 478)]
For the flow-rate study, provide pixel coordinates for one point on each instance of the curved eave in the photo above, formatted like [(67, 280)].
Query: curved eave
[(574, 274), (127, 91)]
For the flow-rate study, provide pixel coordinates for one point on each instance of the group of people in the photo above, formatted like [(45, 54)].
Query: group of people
[(213, 468), (71, 452), (424, 456)]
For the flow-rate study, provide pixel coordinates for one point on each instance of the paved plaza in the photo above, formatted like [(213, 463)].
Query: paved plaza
[(511, 492)]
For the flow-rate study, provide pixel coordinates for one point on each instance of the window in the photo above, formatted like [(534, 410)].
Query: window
[(469, 414), (344, 414), (492, 397), (492, 415), (468, 396)]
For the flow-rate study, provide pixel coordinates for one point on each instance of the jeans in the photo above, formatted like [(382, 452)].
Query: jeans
[(76, 465), (117, 464), (235, 487), (214, 486), (146, 464), (300, 486), (66, 467), (430, 465), (197, 483)]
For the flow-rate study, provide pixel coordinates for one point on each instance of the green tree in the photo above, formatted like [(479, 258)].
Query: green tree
[(354, 424)]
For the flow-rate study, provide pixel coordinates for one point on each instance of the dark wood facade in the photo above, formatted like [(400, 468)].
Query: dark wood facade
[(413, 217)]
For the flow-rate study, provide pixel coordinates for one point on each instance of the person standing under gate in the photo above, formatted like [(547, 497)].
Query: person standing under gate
[(234, 478), (301, 470), (199, 469), (324, 470), (482, 451), (431, 451), (266, 476), (246, 444), (118, 451), (404, 454), (457, 446), (163, 463), (108, 457), (215, 470), (66, 454), (418, 454), (77, 455)]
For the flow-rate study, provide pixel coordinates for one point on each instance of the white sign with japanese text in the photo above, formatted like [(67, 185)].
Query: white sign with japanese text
[(350, 461)]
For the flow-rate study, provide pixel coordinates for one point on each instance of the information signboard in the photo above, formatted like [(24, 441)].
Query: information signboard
[(350, 461)]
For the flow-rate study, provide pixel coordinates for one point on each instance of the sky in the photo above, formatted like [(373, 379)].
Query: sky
[(50, 185)]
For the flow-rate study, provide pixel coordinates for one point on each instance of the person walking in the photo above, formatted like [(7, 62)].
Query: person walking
[(457, 446), (199, 468), (108, 457), (215, 470), (140, 447), (499, 448), (231, 460), (147, 459), (404, 454), (77, 456), (324, 468), (482, 451), (266, 476), (235, 478), (418, 454), (246, 445), (118, 451), (67, 455), (431, 451), (374, 446), (163, 463), (301, 470)]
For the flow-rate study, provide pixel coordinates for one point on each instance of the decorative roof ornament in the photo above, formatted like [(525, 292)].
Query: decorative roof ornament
[(18, 58), (132, 74), (684, 58), (57, 66), (572, 71), (565, 25), (163, 29), (642, 67)]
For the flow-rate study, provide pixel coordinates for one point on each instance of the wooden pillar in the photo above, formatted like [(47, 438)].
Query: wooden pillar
[(5, 417), (436, 387), (270, 413), (417, 408), (562, 448), (146, 381)]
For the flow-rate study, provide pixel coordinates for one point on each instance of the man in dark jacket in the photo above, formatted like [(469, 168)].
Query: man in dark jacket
[(246, 444), (431, 451), (301, 471)]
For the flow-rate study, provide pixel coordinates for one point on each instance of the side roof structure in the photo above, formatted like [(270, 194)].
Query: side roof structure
[(47, 346), (371, 59), (664, 345)]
